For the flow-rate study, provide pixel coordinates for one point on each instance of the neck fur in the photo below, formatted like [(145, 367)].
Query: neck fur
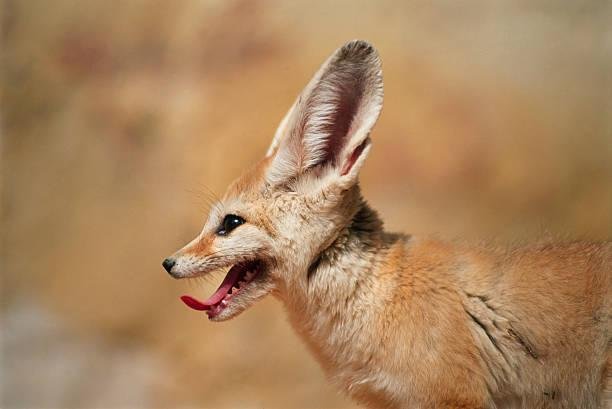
[(327, 310)]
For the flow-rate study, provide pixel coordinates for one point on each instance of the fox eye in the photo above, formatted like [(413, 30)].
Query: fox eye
[(230, 222)]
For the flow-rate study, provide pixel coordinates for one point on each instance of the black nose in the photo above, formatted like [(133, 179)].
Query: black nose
[(168, 264)]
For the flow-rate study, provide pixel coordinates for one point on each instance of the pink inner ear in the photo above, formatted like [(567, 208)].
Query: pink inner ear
[(354, 156), (349, 98)]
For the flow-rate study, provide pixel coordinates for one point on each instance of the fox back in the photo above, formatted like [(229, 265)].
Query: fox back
[(398, 321)]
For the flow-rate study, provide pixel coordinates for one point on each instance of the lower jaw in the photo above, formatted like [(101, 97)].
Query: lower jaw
[(236, 303), (217, 312), (260, 290), (223, 315)]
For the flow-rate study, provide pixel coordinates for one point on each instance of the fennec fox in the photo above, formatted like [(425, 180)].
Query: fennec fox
[(398, 321)]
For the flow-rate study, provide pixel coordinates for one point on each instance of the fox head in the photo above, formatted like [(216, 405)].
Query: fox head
[(275, 220)]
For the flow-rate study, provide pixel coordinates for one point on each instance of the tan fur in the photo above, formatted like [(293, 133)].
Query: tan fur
[(398, 321), (251, 181)]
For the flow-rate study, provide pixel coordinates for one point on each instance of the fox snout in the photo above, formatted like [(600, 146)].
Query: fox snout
[(188, 264), (168, 263)]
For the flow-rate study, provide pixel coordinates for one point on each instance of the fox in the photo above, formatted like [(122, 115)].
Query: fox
[(397, 320)]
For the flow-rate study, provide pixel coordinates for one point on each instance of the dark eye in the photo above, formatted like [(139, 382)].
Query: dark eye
[(230, 222)]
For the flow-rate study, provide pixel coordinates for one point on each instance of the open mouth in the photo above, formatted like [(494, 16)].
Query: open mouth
[(236, 281)]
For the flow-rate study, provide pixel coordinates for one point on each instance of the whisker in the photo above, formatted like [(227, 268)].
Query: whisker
[(203, 198), (211, 192)]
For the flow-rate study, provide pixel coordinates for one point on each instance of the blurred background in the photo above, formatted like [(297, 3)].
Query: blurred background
[(121, 119)]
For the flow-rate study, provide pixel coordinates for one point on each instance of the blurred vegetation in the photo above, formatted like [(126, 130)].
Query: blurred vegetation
[(120, 118)]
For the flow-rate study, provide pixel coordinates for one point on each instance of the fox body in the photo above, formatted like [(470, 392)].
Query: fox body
[(399, 321)]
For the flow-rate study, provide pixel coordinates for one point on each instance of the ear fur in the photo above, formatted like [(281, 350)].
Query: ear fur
[(329, 123)]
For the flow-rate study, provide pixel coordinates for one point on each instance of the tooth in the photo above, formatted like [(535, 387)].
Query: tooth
[(223, 303)]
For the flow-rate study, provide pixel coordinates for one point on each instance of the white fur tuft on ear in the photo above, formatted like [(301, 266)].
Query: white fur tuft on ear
[(330, 121)]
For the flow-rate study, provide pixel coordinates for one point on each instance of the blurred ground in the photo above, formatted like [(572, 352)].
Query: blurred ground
[(120, 119)]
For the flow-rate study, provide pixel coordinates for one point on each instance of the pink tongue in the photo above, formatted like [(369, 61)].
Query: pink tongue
[(230, 279)]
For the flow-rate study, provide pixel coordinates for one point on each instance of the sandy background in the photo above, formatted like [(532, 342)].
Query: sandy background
[(121, 119)]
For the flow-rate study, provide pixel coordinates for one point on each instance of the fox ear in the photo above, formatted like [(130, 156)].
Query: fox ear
[(330, 122)]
